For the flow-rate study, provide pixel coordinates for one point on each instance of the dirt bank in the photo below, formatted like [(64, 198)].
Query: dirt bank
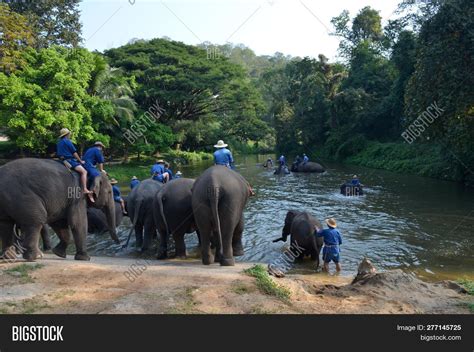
[(54, 285)]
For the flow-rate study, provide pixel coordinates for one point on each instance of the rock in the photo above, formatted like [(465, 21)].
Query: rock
[(365, 270), (275, 271), (452, 285)]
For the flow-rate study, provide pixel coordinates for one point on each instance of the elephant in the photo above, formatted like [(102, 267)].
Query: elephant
[(219, 196), (44, 237), (307, 167), (350, 190), (300, 225), (173, 214), (97, 221), (281, 170), (39, 191), (140, 211)]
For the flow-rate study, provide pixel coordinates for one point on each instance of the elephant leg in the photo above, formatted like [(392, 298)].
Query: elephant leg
[(163, 248), (7, 236), (64, 234), (31, 235), (139, 235), (237, 246), (227, 252), (45, 238), (206, 253), (77, 219), (150, 233), (180, 246)]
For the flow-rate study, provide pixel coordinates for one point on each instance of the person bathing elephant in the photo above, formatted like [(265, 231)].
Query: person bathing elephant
[(140, 211), (173, 214), (53, 196), (219, 196), (300, 225)]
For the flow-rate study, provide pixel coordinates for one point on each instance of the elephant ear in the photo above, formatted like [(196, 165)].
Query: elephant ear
[(96, 186)]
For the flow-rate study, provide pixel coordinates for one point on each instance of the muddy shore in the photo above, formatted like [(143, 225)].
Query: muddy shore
[(102, 286)]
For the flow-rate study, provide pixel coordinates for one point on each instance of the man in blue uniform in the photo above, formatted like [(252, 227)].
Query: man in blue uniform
[(94, 157), (178, 174), (305, 159), (332, 241), (117, 195), (66, 151), (168, 170), (134, 183), (222, 156), (282, 160), (158, 172), (355, 181)]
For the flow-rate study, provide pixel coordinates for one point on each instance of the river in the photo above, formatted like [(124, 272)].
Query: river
[(418, 224)]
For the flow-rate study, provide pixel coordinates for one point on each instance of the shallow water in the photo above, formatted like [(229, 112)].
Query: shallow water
[(417, 224)]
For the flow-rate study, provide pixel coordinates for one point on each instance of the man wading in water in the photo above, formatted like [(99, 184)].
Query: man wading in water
[(332, 241)]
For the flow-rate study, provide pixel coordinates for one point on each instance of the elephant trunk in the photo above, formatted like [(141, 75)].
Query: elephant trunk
[(109, 211)]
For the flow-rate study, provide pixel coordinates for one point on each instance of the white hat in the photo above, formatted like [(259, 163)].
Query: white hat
[(220, 144), (179, 173), (64, 132)]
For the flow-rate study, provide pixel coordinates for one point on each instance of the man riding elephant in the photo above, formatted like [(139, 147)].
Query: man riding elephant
[(223, 156)]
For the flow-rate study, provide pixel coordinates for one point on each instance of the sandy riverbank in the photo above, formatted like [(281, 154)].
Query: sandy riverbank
[(54, 285)]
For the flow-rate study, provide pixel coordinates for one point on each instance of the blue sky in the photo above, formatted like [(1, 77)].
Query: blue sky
[(298, 28)]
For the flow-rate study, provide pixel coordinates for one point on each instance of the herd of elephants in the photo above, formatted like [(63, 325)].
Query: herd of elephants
[(39, 192)]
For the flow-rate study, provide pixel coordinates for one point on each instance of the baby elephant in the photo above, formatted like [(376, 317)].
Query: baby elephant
[(300, 225)]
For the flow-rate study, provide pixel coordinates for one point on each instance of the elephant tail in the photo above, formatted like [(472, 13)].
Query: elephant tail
[(162, 214), (134, 220), (214, 201)]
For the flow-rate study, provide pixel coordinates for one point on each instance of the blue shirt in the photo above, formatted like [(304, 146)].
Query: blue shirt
[(93, 156), (282, 160), (223, 156), (134, 184), (355, 182), (332, 239), (157, 169), (170, 173), (117, 195), (305, 159), (65, 149)]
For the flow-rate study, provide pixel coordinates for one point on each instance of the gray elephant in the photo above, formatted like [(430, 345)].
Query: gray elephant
[(37, 192), (44, 237), (173, 213), (140, 211), (219, 197), (281, 170), (300, 225), (307, 167), (97, 220)]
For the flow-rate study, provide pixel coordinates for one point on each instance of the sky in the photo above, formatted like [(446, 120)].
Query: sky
[(293, 27)]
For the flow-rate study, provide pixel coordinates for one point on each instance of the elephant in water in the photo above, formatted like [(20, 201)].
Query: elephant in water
[(281, 170), (97, 220), (350, 190), (219, 197), (173, 213), (308, 167), (300, 225), (36, 192), (140, 211)]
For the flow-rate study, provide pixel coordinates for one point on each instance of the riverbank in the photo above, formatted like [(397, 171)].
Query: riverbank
[(427, 160), (107, 286)]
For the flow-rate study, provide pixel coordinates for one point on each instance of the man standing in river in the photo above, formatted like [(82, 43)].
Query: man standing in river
[(332, 241)]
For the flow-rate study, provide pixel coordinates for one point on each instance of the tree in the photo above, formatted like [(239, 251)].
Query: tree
[(15, 37), (48, 94), (443, 74), (54, 22)]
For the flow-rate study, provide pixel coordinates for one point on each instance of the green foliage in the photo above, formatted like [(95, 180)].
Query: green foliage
[(22, 272), (184, 157), (54, 22), (16, 35), (266, 284), (203, 99), (48, 94), (468, 285)]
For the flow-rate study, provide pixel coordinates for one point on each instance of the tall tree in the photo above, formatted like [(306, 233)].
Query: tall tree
[(54, 22), (15, 36)]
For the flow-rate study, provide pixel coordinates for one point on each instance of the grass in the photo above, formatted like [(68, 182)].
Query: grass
[(187, 304), (240, 288), (22, 271), (469, 286), (266, 284)]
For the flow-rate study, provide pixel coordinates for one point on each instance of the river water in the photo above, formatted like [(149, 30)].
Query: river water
[(420, 225)]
